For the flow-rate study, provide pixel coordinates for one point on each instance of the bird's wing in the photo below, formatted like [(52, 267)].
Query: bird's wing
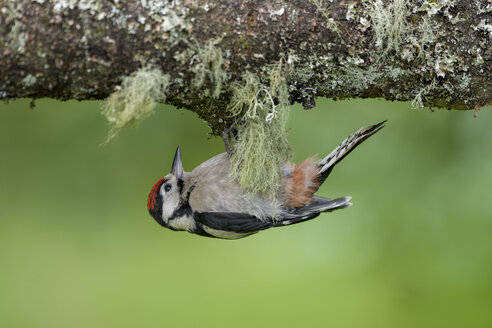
[(230, 225), (233, 225)]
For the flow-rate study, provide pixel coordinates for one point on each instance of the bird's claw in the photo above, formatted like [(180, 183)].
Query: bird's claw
[(226, 139)]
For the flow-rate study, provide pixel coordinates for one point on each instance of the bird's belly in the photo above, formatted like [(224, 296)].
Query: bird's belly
[(225, 234)]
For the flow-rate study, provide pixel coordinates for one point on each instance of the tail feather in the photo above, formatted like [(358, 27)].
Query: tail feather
[(305, 179), (312, 210), (327, 164), (321, 204)]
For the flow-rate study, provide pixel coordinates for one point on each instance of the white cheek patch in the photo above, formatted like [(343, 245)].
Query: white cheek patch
[(167, 210), (170, 203)]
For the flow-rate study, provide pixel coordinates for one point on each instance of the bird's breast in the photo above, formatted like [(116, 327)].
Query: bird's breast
[(183, 223)]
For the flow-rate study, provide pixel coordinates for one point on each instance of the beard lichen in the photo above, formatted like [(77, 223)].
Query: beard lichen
[(389, 23), (207, 63), (135, 99), (261, 109)]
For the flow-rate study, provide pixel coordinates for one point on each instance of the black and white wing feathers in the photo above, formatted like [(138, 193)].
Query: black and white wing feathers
[(232, 225)]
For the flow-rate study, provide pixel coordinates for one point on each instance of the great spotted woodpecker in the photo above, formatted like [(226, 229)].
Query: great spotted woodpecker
[(208, 202)]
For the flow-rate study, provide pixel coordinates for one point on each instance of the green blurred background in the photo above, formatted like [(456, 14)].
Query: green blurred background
[(78, 248)]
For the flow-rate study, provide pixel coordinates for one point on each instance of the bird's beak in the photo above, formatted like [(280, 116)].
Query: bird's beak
[(177, 170)]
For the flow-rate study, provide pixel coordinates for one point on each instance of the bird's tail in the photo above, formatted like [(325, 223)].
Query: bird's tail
[(328, 163), (312, 210)]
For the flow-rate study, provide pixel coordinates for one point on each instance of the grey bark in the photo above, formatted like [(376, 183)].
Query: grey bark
[(435, 54)]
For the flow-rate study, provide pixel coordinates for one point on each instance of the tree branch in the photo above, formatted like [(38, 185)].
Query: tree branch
[(433, 53)]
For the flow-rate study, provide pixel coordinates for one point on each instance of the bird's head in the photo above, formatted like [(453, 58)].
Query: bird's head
[(165, 196)]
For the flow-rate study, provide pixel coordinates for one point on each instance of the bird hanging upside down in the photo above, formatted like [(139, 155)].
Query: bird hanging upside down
[(208, 202)]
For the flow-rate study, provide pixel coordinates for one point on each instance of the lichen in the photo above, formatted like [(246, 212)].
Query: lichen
[(278, 12), (207, 64), (332, 25), (484, 27), (425, 35), (29, 80), (389, 22), (417, 102), (411, 32), (94, 6), (360, 78), (168, 14), (261, 110), (17, 38), (135, 99)]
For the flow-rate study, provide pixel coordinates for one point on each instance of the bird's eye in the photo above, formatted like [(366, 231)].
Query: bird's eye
[(167, 187)]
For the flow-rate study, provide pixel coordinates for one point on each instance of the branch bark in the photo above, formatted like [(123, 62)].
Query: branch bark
[(436, 54)]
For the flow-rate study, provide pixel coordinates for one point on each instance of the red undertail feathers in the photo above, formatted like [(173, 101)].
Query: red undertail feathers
[(301, 184)]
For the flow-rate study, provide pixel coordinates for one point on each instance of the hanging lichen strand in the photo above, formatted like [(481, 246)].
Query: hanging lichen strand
[(135, 99), (261, 109)]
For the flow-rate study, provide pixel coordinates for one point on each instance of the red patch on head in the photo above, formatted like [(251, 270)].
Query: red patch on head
[(154, 193)]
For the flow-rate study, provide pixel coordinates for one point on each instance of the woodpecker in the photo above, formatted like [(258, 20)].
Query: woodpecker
[(209, 202)]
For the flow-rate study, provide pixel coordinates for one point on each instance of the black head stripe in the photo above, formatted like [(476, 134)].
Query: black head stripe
[(183, 210), (188, 194), (156, 212), (180, 183)]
